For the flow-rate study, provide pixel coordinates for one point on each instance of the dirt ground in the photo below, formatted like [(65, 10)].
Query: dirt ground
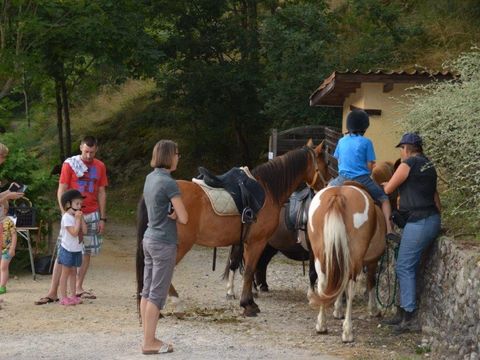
[(108, 327)]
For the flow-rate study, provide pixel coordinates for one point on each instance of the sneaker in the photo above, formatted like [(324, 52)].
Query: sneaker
[(66, 301), (75, 300), (3, 290)]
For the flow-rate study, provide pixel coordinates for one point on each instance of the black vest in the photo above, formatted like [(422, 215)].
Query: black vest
[(418, 190)]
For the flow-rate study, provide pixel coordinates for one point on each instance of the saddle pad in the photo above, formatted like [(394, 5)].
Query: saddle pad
[(222, 202)]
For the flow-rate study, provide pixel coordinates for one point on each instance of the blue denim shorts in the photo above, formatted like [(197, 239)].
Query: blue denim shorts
[(376, 192), (68, 258), (6, 255)]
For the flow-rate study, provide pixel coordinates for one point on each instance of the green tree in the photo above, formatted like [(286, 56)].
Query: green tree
[(212, 77), (80, 36), (373, 34), (296, 41), (14, 17), (446, 115)]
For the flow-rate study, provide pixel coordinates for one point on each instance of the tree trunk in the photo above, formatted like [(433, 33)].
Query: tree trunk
[(25, 96), (66, 115), (242, 141), (58, 98)]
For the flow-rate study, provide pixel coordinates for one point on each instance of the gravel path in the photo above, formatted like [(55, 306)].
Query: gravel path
[(213, 328)]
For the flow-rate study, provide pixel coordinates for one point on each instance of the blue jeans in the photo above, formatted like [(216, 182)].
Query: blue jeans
[(376, 192), (416, 237)]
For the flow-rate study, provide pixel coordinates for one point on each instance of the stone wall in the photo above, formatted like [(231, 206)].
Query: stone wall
[(450, 300)]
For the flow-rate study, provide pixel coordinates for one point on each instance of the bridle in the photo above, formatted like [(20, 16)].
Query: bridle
[(318, 173)]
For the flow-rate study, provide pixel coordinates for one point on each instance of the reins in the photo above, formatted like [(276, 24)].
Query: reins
[(317, 170), (385, 262)]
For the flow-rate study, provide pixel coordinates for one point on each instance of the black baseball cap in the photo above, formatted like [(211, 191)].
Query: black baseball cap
[(410, 138)]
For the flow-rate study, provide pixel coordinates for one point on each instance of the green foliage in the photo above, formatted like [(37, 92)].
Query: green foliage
[(296, 41), (446, 115), (373, 34), (211, 78), (21, 166)]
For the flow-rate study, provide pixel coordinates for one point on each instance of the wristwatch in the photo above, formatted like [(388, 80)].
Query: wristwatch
[(103, 219)]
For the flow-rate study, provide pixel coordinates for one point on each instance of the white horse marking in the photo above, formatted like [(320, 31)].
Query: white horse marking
[(360, 218), (230, 285), (314, 206), (321, 325)]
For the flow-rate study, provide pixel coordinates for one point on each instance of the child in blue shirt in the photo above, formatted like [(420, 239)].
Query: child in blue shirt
[(356, 159)]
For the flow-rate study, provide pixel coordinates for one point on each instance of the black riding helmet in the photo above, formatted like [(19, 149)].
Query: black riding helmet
[(357, 121), (68, 196)]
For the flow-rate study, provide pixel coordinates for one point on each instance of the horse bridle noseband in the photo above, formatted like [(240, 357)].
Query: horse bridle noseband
[(317, 170)]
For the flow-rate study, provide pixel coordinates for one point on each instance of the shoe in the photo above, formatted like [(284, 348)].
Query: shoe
[(76, 300), (66, 301), (393, 237), (165, 348), (86, 295), (45, 300), (3, 290), (410, 323), (395, 320)]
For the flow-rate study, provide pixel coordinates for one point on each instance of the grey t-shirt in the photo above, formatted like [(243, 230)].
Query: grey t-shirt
[(159, 188)]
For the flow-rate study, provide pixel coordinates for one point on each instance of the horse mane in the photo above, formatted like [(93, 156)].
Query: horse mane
[(278, 175)]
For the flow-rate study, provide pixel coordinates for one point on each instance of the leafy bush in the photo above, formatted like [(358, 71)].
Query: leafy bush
[(21, 166), (446, 115)]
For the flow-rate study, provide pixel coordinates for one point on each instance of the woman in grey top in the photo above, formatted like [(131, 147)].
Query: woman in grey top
[(164, 208)]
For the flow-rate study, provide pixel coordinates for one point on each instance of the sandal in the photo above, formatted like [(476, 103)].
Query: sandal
[(165, 348), (45, 300), (86, 295)]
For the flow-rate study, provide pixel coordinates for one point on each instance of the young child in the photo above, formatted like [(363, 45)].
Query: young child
[(70, 252), (8, 248), (356, 159)]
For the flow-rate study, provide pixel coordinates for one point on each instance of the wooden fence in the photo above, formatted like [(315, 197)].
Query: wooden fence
[(282, 141)]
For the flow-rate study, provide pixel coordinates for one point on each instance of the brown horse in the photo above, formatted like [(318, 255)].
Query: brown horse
[(347, 232), (285, 241), (282, 240), (279, 178)]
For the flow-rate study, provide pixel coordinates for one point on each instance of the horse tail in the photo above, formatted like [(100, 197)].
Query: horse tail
[(234, 261), (142, 221), (336, 253)]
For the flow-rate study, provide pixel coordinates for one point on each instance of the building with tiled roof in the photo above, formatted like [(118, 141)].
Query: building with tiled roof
[(378, 93)]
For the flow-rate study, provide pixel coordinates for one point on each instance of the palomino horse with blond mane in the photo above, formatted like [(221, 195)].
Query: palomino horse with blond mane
[(278, 177), (346, 232)]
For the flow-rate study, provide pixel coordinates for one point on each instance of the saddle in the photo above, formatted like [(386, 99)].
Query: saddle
[(296, 209), (247, 193)]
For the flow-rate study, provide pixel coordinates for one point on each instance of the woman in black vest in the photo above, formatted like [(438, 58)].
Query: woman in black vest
[(416, 181)]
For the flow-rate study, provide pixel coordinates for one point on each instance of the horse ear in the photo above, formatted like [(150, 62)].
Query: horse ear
[(319, 148), (309, 143)]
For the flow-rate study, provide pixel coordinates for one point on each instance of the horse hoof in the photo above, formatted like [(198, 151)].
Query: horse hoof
[(347, 340), (264, 288), (338, 317), (249, 312), (322, 332), (230, 297)]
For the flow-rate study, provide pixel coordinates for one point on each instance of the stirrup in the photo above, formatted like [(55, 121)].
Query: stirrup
[(248, 216)]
